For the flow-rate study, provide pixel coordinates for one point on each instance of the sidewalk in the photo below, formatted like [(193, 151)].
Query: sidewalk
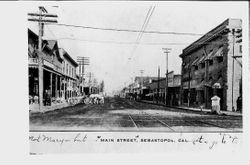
[(34, 108), (194, 109)]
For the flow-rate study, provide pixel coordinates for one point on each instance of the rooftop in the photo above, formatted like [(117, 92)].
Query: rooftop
[(228, 23)]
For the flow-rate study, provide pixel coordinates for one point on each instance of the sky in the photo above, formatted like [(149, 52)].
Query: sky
[(117, 63)]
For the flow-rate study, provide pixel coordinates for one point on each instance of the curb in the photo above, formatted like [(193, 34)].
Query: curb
[(186, 109)]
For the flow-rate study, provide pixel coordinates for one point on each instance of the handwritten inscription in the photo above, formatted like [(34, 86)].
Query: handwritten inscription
[(221, 139), (78, 138)]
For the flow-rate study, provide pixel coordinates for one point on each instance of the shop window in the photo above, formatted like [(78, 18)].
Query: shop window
[(203, 65), (211, 62), (67, 68), (195, 67), (220, 59)]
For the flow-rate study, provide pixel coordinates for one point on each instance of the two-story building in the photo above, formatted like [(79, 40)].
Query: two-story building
[(69, 66), (58, 70), (210, 67), (51, 66)]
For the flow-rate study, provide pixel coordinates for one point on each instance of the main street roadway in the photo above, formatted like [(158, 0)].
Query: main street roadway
[(118, 114)]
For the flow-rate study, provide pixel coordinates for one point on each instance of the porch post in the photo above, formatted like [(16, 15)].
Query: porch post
[(51, 76), (60, 86), (56, 93)]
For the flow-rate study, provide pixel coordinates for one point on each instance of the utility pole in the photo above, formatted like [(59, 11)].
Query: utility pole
[(42, 13), (166, 50), (233, 109), (237, 38), (158, 85), (141, 71), (82, 61)]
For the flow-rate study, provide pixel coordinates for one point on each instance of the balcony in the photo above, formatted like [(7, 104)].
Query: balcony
[(33, 61)]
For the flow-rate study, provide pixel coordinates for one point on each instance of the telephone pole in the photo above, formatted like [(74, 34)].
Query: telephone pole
[(166, 50), (158, 85), (41, 15), (141, 71), (233, 109), (82, 61)]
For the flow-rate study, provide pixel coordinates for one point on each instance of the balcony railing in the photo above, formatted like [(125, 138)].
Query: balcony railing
[(33, 60)]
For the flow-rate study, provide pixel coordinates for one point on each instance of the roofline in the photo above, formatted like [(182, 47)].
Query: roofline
[(70, 58), (205, 37)]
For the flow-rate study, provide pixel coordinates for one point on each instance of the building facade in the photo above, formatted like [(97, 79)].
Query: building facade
[(157, 89), (51, 66), (69, 66), (212, 66), (58, 71)]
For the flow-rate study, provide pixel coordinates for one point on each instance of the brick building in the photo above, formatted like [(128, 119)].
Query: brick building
[(212, 66)]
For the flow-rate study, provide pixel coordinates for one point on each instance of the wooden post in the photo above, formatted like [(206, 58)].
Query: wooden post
[(40, 63), (51, 76), (56, 94)]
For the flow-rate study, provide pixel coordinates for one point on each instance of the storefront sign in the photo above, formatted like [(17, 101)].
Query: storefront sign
[(46, 63)]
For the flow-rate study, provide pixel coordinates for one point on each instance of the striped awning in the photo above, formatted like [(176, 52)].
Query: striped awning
[(203, 84), (218, 53), (209, 56), (202, 59), (195, 61)]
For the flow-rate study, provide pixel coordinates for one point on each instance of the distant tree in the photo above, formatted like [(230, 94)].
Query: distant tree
[(102, 86)]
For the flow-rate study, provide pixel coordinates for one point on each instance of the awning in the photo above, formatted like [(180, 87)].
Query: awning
[(209, 56), (33, 66), (203, 84), (218, 84), (218, 53), (150, 94), (201, 60), (209, 83), (195, 62)]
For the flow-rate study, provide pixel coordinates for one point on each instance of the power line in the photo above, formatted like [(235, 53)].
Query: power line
[(125, 30), (142, 43), (145, 23), (152, 11)]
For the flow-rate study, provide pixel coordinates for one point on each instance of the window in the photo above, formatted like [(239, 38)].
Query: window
[(240, 49), (220, 59), (211, 62), (63, 67), (67, 68), (195, 67), (203, 65), (72, 73)]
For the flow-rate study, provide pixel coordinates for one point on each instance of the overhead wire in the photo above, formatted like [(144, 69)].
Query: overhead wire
[(143, 28), (132, 43), (141, 31), (125, 30)]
